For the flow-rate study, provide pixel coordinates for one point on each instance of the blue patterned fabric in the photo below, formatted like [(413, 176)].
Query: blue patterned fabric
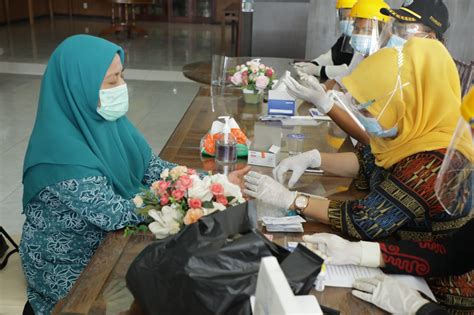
[(65, 223), (401, 201)]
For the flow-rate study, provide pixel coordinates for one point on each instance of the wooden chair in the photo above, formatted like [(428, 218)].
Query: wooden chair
[(466, 72)]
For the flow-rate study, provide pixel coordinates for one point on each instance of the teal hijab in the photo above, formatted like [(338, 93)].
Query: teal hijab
[(70, 140)]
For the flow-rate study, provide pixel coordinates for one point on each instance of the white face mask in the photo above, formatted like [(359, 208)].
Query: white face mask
[(395, 41), (362, 43), (347, 26), (113, 102)]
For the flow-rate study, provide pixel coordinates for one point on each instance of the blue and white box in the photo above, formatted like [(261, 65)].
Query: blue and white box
[(281, 103)]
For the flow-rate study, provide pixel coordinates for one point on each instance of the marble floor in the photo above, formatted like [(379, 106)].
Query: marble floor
[(159, 96)]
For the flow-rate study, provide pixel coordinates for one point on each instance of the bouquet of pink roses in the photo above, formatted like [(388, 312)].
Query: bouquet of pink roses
[(253, 75), (182, 197)]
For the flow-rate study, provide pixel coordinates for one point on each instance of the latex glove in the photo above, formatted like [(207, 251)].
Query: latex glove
[(268, 190), (310, 81), (388, 294), (338, 251), (308, 68), (298, 164), (316, 95)]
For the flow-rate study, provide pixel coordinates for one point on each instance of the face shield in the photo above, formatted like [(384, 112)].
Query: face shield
[(381, 123), (365, 36), (455, 179), (396, 33), (345, 26)]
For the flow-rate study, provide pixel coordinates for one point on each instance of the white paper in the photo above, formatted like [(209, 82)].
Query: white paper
[(343, 276), (283, 220)]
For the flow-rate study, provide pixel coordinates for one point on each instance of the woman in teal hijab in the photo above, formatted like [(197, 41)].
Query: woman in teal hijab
[(84, 163)]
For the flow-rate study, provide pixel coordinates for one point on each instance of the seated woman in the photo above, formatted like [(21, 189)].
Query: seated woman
[(84, 163), (409, 133), (410, 129)]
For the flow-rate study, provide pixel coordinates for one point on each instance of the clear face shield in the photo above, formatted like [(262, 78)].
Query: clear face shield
[(396, 33), (365, 36), (382, 123), (346, 27), (455, 179)]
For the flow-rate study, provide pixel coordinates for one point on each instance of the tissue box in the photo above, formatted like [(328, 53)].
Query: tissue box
[(281, 103), (266, 157)]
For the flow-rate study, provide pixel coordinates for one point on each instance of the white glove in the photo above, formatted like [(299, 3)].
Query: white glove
[(268, 190), (316, 94), (298, 164), (308, 68), (338, 251), (310, 81), (388, 294)]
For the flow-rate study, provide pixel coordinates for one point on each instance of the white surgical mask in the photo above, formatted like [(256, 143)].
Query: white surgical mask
[(347, 27), (361, 43), (395, 41), (113, 102)]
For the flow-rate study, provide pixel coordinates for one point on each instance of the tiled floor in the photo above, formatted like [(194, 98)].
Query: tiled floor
[(159, 96)]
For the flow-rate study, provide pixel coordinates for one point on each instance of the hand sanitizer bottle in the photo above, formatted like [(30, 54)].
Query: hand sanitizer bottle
[(226, 145)]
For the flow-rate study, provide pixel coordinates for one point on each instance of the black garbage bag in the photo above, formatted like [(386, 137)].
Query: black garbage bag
[(211, 267)]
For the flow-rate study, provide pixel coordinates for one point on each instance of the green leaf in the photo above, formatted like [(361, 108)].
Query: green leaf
[(208, 205)]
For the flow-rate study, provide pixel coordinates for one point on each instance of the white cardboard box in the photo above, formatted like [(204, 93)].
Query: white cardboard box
[(267, 157)]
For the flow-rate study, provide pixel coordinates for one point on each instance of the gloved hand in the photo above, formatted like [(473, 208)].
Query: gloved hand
[(268, 190), (308, 68), (338, 251), (316, 95), (388, 294), (310, 81), (298, 164)]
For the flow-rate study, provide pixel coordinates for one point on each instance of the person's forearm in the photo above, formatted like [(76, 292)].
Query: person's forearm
[(347, 123), (341, 164), (317, 209)]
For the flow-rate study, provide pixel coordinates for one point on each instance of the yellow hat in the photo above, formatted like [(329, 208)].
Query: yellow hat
[(345, 4), (467, 107), (369, 9)]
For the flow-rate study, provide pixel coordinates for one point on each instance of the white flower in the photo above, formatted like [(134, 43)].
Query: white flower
[(200, 189), (167, 221), (138, 201), (216, 207), (178, 171), (165, 173)]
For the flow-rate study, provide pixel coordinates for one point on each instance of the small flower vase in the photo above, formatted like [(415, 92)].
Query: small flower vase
[(252, 97)]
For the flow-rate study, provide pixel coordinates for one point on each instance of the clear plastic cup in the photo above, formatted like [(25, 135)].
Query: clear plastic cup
[(295, 143)]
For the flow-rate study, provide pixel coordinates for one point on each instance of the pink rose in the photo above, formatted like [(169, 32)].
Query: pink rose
[(236, 78), (269, 72), (191, 171), (178, 194), (184, 182), (194, 203), (262, 82), (164, 199), (163, 185), (192, 215), (222, 200), (217, 189)]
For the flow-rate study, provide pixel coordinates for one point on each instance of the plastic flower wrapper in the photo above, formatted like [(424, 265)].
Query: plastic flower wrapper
[(208, 142)]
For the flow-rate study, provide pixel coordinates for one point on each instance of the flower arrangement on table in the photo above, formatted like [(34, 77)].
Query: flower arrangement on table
[(182, 197), (254, 77)]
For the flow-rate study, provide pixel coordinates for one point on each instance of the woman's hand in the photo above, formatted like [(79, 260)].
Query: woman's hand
[(268, 190), (237, 177)]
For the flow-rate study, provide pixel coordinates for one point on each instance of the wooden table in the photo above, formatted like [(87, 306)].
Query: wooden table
[(124, 23), (101, 288)]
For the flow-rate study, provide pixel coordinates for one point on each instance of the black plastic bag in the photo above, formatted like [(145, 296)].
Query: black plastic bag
[(211, 267)]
